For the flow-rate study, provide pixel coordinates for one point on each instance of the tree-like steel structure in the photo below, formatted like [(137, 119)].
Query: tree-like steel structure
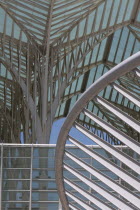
[(51, 51)]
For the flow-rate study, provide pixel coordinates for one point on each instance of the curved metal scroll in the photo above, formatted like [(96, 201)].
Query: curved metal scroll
[(81, 184)]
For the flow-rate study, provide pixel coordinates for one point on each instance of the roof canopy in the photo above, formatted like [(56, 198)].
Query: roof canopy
[(52, 51)]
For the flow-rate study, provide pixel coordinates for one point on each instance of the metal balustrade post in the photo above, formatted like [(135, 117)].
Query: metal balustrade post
[(60, 205), (1, 170), (31, 171)]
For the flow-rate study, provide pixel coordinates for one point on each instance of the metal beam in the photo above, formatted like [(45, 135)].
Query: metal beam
[(119, 113), (108, 164), (29, 99), (112, 75), (87, 195), (115, 132), (128, 195), (120, 203)]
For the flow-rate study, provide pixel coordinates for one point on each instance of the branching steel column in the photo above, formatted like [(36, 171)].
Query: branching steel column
[(30, 101), (63, 34), (21, 26), (44, 79)]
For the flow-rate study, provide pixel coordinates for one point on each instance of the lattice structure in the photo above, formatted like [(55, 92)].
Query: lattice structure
[(51, 51), (108, 193), (27, 182)]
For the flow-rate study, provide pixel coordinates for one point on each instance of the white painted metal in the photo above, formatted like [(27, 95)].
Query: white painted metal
[(122, 115), (60, 205), (115, 132), (79, 201), (73, 207), (116, 187), (133, 200), (47, 53), (49, 61), (126, 93), (87, 195), (116, 153), (113, 199), (112, 167), (137, 72)]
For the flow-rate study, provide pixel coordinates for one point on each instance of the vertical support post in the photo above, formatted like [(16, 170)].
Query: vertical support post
[(135, 10), (120, 180), (60, 205), (90, 176), (1, 167), (44, 78), (31, 170)]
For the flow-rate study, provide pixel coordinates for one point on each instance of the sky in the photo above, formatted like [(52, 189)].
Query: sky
[(55, 133), (74, 132)]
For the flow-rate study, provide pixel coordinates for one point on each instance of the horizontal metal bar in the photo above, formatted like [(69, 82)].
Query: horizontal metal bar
[(15, 201), (115, 186), (79, 201), (16, 190), (108, 164), (16, 157), (111, 149), (29, 190), (28, 201), (87, 195), (51, 169), (109, 196), (29, 145), (114, 131), (16, 179), (36, 190), (67, 145), (119, 113), (137, 71), (28, 179), (46, 202), (34, 158), (126, 93), (73, 207), (16, 168)]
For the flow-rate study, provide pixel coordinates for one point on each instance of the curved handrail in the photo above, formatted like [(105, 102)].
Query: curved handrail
[(118, 71)]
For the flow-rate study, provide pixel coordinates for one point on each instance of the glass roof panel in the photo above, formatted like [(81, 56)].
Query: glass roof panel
[(122, 9), (68, 43), (107, 13), (129, 10)]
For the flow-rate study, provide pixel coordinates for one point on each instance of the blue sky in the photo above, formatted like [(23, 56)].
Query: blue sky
[(55, 132), (74, 132)]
